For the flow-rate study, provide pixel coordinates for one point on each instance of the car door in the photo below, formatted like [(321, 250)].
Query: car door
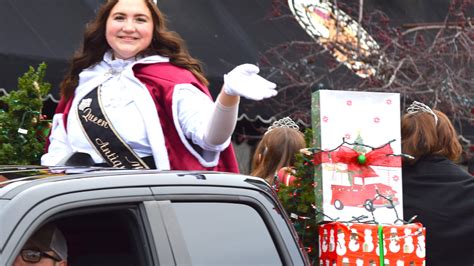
[(158, 225), (102, 227), (222, 226)]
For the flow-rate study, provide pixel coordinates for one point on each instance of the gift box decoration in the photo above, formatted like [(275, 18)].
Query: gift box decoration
[(361, 244), (357, 173)]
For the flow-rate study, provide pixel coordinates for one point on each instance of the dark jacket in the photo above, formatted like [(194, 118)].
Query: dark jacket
[(442, 195)]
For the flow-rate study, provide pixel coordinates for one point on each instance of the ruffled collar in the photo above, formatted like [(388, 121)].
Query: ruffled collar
[(118, 65), (94, 75)]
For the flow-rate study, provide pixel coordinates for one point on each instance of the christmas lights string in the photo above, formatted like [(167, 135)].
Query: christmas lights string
[(367, 205), (307, 222), (362, 218), (313, 150), (21, 130)]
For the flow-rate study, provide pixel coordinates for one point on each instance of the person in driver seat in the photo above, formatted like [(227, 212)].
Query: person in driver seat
[(46, 247)]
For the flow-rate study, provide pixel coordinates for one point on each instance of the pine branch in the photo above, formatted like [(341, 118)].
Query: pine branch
[(21, 126)]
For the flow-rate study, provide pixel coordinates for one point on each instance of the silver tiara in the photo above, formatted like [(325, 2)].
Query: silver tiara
[(284, 122), (416, 107)]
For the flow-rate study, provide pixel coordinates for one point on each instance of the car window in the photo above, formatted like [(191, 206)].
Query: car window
[(105, 237), (225, 234)]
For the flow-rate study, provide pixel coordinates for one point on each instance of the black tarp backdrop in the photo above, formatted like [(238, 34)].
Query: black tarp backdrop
[(38, 31), (221, 33)]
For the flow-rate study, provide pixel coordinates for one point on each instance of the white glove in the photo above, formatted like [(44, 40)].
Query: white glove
[(244, 81)]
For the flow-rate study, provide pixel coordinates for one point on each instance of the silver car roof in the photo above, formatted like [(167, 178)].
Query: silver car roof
[(19, 196), (129, 178)]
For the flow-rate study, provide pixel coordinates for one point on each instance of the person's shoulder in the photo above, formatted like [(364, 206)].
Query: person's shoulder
[(437, 167), (164, 71)]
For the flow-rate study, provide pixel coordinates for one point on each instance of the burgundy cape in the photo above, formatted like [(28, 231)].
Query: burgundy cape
[(160, 80)]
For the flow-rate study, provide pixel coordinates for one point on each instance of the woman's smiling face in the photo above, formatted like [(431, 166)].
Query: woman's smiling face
[(129, 28)]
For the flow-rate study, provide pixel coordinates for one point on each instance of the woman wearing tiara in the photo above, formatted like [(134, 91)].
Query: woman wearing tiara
[(135, 98), (435, 189), (275, 154)]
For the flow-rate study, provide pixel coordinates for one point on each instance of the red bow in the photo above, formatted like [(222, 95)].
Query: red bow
[(377, 157)]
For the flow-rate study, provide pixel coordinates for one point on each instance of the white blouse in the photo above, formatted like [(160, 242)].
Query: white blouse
[(118, 94)]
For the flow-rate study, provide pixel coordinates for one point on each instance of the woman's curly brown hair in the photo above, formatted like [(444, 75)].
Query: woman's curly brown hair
[(164, 42)]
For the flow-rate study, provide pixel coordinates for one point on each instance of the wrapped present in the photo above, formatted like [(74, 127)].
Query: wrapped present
[(361, 244), (357, 171)]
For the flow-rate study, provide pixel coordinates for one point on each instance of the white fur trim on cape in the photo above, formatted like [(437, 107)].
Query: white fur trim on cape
[(94, 76)]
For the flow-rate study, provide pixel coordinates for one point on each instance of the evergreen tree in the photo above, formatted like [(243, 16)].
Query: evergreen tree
[(22, 130), (359, 148), (298, 198)]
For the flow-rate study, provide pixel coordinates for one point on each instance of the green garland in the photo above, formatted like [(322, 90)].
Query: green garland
[(22, 130), (298, 198)]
